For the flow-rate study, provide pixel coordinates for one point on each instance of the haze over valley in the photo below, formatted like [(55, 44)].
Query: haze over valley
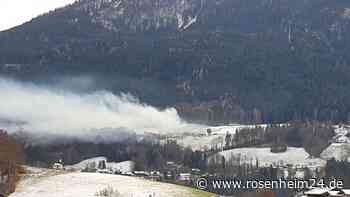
[(113, 98)]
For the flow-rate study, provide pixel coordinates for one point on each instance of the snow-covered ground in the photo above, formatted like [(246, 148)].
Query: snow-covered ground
[(294, 156), (233, 128), (338, 151), (122, 167), (340, 148), (201, 142), (88, 162), (80, 184), (341, 134), (33, 175), (216, 139)]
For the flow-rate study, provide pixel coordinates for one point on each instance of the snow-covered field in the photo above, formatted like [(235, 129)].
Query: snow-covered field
[(79, 184), (233, 128), (294, 156), (216, 139), (122, 167), (201, 142), (83, 164)]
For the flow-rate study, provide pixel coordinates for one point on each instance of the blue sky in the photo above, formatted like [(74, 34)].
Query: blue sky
[(16, 12)]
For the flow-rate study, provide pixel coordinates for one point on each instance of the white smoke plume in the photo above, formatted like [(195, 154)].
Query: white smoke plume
[(46, 110)]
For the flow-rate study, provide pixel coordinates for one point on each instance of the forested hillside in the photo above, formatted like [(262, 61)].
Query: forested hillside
[(216, 60)]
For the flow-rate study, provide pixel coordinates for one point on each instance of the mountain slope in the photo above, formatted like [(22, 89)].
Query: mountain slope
[(218, 61)]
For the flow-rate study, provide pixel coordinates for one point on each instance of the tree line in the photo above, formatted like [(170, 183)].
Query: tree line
[(11, 156)]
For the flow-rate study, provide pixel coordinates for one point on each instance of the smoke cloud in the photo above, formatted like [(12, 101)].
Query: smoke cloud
[(46, 110)]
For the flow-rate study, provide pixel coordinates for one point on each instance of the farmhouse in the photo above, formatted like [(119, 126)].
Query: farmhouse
[(57, 166)]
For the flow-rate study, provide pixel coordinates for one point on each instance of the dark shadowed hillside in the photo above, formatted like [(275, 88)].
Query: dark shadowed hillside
[(216, 60)]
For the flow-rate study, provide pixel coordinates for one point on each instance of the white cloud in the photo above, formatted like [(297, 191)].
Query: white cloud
[(17, 12), (61, 112)]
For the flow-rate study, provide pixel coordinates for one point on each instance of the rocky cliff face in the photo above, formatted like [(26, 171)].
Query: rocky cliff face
[(282, 59)]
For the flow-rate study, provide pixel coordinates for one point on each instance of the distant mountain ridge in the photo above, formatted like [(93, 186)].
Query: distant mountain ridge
[(216, 60)]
